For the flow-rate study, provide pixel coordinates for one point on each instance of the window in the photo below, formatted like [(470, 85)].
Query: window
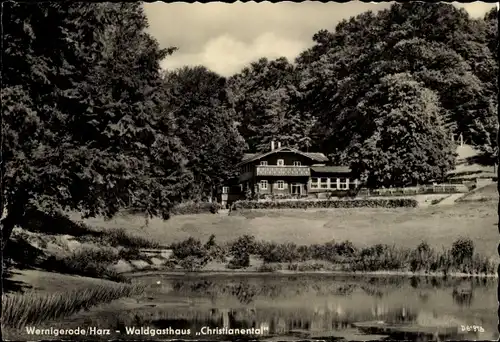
[(263, 163), (314, 183), (225, 189), (343, 183), (297, 163), (263, 184), (280, 185), (333, 183), (324, 183), (281, 162)]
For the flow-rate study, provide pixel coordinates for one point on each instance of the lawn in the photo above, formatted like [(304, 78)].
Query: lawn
[(404, 227)]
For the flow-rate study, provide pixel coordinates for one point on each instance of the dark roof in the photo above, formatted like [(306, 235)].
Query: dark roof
[(331, 169), (248, 157)]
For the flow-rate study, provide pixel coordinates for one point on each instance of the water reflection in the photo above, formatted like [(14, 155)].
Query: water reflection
[(318, 306)]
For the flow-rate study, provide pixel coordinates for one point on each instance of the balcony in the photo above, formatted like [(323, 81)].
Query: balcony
[(273, 170)]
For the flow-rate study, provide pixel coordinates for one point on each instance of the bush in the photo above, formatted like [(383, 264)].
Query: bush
[(192, 255), (462, 249), (214, 251), (239, 261), (191, 208), (331, 251), (188, 248), (304, 204), (192, 263), (351, 193), (269, 267), (132, 254), (243, 245), (310, 267), (89, 262)]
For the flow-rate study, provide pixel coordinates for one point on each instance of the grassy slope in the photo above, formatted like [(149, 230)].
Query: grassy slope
[(439, 226), (486, 193), (51, 282)]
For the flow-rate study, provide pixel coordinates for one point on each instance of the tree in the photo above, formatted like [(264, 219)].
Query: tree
[(266, 99), (82, 121), (405, 141), (451, 59), (205, 121)]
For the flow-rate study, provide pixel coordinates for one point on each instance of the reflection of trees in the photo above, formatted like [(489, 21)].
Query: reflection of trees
[(462, 297), (246, 291)]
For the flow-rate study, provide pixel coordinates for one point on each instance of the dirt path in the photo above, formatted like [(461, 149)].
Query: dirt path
[(450, 200)]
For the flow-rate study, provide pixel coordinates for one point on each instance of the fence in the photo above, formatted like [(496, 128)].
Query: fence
[(420, 190)]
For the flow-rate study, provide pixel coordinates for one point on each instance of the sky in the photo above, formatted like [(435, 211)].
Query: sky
[(227, 37)]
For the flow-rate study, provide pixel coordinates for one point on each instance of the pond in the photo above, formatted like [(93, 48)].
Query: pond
[(304, 306)]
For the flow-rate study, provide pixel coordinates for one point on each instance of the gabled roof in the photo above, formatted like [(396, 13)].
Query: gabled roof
[(249, 157)]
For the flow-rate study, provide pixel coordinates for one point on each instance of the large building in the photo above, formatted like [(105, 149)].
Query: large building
[(287, 172)]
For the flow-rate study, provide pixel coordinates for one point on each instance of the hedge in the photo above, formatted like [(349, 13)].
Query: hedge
[(302, 204), (195, 208)]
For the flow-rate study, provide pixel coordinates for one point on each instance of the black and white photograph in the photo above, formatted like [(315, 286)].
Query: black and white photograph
[(249, 171)]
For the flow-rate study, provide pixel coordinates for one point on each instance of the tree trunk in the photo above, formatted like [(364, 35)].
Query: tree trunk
[(15, 213)]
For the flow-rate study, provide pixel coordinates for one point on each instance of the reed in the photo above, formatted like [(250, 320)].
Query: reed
[(19, 310)]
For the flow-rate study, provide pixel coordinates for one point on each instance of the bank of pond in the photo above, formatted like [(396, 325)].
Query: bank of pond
[(265, 306)]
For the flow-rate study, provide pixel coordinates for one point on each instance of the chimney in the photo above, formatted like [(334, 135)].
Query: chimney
[(279, 144), (272, 145)]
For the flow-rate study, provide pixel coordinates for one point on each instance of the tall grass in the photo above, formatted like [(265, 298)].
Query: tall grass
[(33, 308)]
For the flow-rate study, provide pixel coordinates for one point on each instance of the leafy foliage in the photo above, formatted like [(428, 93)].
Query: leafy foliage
[(84, 129), (305, 204), (265, 95), (397, 47), (404, 140), (205, 124)]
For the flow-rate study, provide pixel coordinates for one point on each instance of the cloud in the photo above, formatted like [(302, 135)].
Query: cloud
[(226, 37), (226, 55), (476, 9)]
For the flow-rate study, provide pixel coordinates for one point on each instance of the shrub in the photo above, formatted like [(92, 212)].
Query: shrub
[(346, 248), (462, 249), (89, 262), (131, 254), (191, 208), (305, 204), (269, 267), (192, 263), (351, 193), (243, 245), (187, 248), (331, 251), (239, 261), (311, 267), (240, 250), (380, 258), (214, 251), (272, 252), (192, 255)]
